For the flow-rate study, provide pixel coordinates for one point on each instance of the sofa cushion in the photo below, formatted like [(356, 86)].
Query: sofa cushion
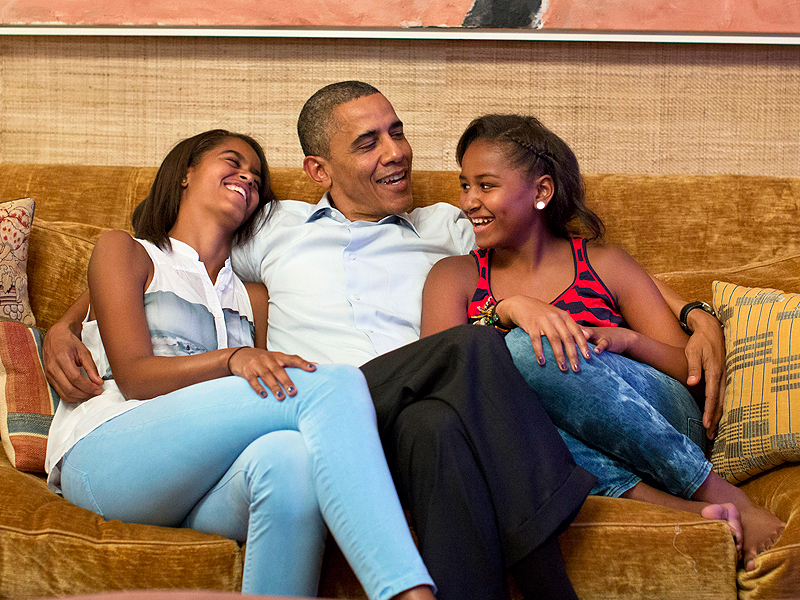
[(760, 425), (59, 258), (50, 548), (776, 574), (618, 549), (27, 402), (15, 228), (694, 284)]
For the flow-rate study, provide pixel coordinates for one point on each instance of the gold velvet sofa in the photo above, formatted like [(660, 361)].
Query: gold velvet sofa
[(691, 230)]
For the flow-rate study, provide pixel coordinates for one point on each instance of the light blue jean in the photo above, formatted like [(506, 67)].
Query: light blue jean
[(622, 420), (219, 458)]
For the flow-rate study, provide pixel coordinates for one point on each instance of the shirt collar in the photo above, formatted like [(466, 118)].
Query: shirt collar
[(325, 209), (224, 277)]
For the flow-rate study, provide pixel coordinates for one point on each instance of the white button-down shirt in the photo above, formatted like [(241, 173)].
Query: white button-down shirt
[(346, 291)]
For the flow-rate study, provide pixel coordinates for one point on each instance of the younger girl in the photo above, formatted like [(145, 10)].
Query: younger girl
[(522, 189), (185, 432)]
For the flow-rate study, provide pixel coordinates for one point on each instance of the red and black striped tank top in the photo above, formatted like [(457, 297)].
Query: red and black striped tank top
[(587, 299)]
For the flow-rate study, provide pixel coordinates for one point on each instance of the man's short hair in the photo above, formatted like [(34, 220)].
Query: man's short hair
[(315, 123)]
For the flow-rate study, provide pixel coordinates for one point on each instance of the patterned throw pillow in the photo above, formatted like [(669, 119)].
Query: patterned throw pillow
[(15, 228), (27, 402), (760, 426)]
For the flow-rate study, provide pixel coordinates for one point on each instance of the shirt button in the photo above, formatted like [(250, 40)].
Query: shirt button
[(352, 257), (356, 297)]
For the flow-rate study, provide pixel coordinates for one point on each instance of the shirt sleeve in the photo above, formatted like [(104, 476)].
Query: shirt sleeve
[(463, 234), (246, 259)]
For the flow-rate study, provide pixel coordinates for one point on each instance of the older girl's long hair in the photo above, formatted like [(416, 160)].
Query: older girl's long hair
[(155, 216)]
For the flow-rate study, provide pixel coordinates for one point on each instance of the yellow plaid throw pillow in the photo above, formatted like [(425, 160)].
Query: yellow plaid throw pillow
[(760, 426)]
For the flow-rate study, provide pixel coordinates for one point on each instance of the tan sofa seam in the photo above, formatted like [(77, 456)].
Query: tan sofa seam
[(49, 532)]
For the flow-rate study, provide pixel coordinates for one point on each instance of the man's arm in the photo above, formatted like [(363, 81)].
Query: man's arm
[(705, 353), (64, 355)]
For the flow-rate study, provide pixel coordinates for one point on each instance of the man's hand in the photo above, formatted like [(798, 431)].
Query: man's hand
[(705, 353), (63, 355)]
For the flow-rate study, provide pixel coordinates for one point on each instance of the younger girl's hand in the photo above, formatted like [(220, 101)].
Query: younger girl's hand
[(538, 319), (614, 339), (259, 366)]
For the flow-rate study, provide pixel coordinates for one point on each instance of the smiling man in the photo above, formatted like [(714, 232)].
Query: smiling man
[(345, 276), (473, 455)]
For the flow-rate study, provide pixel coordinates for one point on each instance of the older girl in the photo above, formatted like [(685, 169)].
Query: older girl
[(197, 428)]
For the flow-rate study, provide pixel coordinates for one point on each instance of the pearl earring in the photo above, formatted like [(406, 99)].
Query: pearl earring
[(540, 205)]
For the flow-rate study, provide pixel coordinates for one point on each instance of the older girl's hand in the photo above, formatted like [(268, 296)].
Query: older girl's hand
[(262, 366), (538, 319)]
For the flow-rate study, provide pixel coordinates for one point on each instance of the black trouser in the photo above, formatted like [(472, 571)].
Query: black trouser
[(476, 459)]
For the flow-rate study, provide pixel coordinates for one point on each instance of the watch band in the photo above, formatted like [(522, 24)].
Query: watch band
[(687, 308)]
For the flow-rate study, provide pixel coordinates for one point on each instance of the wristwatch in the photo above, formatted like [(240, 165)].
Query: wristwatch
[(689, 308)]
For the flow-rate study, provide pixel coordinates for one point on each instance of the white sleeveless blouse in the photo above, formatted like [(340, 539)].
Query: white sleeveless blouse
[(186, 314)]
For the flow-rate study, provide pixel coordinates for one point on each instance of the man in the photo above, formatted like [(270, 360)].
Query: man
[(474, 457)]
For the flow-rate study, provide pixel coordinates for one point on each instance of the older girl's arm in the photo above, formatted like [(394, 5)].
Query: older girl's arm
[(259, 301), (119, 272)]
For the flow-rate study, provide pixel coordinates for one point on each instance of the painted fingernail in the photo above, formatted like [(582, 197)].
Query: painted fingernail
[(279, 395), (290, 389), (262, 393), (563, 366), (541, 360), (312, 366), (576, 367)]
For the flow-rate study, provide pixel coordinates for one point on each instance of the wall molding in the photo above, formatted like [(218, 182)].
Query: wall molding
[(425, 33)]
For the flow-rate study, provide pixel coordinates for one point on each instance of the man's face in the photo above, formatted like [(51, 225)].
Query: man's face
[(370, 160)]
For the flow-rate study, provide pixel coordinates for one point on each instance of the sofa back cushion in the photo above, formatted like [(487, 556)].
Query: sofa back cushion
[(670, 223)]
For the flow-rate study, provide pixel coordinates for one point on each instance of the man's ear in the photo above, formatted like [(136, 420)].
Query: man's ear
[(316, 168)]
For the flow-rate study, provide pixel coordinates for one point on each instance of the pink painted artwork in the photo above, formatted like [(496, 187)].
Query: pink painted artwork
[(713, 16)]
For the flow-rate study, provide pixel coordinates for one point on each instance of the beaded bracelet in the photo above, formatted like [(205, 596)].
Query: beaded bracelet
[(493, 318)]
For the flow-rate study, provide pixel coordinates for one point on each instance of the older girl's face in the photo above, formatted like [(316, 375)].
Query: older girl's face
[(227, 181), (498, 199)]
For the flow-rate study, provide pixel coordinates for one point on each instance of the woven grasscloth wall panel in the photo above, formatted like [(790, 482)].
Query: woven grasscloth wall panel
[(634, 108)]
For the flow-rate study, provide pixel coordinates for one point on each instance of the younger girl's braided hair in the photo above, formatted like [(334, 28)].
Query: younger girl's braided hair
[(532, 147)]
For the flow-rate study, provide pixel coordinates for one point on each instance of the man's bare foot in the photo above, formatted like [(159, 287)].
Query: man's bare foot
[(727, 512)]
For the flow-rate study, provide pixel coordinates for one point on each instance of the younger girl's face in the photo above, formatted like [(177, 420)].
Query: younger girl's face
[(498, 199), (227, 180)]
